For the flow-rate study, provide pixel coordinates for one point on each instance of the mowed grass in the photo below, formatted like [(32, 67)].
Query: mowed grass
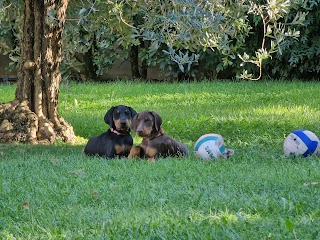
[(56, 192)]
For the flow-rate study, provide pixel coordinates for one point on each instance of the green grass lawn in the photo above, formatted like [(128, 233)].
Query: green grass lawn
[(56, 192)]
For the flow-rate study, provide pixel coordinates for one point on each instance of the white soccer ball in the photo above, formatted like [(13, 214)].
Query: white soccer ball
[(211, 146), (301, 143)]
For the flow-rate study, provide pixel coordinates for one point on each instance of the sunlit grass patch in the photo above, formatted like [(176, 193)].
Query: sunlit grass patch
[(224, 217), (56, 192)]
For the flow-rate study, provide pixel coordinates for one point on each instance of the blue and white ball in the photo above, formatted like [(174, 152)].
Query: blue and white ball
[(209, 146), (301, 143)]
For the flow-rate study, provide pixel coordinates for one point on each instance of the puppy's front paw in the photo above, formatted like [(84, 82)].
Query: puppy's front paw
[(134, 152)]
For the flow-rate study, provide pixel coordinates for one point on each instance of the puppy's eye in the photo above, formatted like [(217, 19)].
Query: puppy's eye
[(147, 119), (127, 112), (117, 112)]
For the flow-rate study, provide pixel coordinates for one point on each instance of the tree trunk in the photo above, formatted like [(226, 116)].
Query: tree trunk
[(89, 71), (90, 68), (134, 59), (33, 115), (134, 53), (144, 65)]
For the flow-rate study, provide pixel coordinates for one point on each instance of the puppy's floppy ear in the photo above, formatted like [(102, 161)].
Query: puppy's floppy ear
[(108, 118), (133, 112), (157, 121), (134, 122)]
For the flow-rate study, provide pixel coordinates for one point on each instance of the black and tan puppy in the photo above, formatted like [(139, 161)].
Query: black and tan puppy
[(155, 142), (117, 141)]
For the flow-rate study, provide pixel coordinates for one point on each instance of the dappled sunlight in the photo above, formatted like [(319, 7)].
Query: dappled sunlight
[(80, 141), (223, 217), (242, 112), (189, 110), (159, 216), (282, 110), (131, 223), (187, 99)]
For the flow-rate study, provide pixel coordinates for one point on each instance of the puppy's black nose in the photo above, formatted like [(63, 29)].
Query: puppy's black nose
[(123, 124)]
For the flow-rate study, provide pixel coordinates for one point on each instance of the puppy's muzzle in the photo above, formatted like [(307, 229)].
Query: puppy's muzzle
[(142, 134), (124, 125)]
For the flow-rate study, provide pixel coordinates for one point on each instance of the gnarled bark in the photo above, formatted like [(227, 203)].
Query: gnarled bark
[(34, 112)]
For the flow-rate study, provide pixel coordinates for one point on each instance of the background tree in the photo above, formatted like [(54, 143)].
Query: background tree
[(183, 38), (33, 115), (299, 58), (11, 23), (189, 27)]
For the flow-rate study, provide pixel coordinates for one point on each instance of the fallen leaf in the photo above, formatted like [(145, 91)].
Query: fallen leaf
[(95, 194), (78, 171), (55, 161), (311, 183)]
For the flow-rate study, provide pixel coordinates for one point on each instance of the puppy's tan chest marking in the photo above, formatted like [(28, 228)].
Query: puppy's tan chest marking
[(151, 152), (122, 149)]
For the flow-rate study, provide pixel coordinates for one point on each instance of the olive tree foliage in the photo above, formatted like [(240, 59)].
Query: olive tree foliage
[(300, 59), (11, 23), (277, 28), (176, 35), (222, 26), (94, 38), (89, 45), (188, 29)]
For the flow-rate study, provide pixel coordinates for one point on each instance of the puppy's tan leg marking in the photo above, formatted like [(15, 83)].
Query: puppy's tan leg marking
[(150, 154), (134, 152)]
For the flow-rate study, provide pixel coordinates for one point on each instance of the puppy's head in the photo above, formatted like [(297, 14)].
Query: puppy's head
[(146, 124), (120, 117)]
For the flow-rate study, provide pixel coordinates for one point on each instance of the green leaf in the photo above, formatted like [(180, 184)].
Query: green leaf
[(289, 225), (181, 67), (83, 11)]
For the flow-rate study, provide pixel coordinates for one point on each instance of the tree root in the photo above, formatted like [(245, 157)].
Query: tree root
[(19, 124)]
